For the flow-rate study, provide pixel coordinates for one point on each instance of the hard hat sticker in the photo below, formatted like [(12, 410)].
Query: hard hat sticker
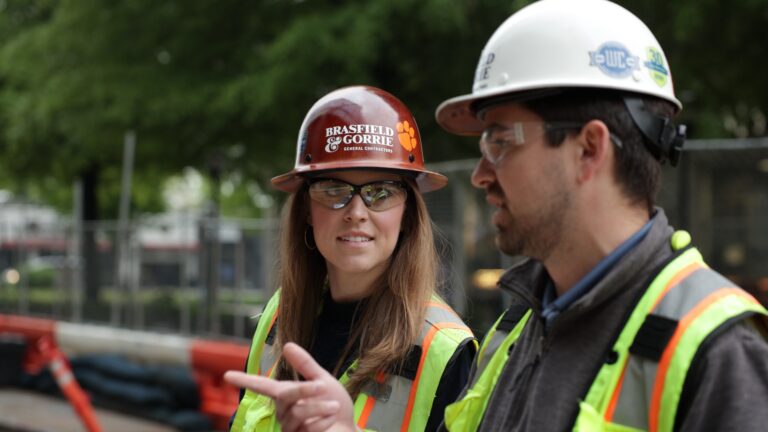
[(332, 144), (302, 143), (359, 137), (406, 135), (483, 71), (656, 68), (614, 60)]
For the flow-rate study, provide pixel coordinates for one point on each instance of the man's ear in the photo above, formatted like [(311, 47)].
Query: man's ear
[(595, 151)]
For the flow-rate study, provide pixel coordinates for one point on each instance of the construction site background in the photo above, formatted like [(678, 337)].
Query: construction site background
[(193, 274)]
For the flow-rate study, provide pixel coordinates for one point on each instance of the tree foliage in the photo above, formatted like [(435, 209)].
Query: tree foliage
[(223, 86), (716, 53)]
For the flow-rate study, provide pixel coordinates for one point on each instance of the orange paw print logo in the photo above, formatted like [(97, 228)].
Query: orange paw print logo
[(407, 135)]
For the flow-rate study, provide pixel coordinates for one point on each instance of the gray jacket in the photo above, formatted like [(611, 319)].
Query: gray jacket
[(550, 370)]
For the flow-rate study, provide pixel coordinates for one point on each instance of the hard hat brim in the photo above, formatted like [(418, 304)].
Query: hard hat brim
[(458, 116), (290, 182)]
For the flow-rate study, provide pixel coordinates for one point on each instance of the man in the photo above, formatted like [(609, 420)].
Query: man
[(616, 322)]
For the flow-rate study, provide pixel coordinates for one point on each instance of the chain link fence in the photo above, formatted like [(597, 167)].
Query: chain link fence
[(175, 273), (188, 274)]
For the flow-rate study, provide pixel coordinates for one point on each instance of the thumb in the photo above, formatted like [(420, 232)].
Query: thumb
[(303, 363)]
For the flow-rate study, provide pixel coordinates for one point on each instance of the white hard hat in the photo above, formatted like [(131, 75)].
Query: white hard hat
[(554, 44)]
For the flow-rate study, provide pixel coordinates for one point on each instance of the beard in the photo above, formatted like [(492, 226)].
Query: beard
[(539, 231)]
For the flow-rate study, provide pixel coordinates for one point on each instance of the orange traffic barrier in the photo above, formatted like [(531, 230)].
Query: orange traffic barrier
[(210, 359), (61, 371), (32, 328)]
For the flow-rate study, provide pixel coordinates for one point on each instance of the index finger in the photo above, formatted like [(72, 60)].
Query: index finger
[(303, 362), (258, 384)]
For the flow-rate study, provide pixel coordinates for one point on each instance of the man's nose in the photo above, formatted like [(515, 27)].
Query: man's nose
[(483, 174)]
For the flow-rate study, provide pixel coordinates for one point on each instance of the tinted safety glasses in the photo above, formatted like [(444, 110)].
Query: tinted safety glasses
[(377, 196)]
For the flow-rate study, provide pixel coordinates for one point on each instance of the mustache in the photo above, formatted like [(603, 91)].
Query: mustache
[(494, 189)]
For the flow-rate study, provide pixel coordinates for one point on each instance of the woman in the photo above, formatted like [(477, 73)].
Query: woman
[(357, 272)]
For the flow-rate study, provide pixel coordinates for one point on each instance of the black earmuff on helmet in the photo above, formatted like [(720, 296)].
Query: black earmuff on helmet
[(663, 138)]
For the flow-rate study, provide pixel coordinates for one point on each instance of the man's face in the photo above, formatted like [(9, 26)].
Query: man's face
[(525, 179)]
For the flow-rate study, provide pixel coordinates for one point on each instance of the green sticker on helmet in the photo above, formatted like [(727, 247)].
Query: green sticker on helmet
[(656, 68)]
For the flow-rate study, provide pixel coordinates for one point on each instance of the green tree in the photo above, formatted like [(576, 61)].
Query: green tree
[(717, 57), (196, 78), (77, 75), (223, 86)]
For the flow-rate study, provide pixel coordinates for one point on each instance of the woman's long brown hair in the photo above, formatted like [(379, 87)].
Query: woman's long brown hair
[(390, 320)]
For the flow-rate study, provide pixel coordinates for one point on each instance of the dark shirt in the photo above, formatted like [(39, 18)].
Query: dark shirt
[(453, 381), (334, 326)]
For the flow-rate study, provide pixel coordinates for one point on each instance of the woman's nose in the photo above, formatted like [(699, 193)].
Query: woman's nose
[(356, 209)]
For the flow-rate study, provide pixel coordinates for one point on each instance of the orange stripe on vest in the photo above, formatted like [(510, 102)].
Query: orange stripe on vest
[(615, 397), (369, 403), (681, 274), (424, 350), (271, 324), (666, 358)]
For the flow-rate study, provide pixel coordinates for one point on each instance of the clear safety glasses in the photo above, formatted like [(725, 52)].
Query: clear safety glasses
[(377, 196), (497, 140)]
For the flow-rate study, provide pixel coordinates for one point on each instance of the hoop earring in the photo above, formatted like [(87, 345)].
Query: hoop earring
[(306, 241)]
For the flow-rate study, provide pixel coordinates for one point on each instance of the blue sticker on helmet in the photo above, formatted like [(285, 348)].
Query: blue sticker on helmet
[(614, 60)]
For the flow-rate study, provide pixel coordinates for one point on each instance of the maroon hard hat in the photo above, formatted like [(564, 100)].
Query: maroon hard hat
[(359, 127)]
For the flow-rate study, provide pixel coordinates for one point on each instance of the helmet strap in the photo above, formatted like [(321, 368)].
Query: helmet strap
[(663, 138)]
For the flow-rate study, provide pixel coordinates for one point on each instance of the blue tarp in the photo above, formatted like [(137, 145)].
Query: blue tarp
[(161, 393)]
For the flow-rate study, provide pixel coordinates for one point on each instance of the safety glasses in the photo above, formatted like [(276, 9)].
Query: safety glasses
[(377, 196), (497, 140)]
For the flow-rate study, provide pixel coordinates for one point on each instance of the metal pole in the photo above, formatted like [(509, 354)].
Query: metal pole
[(214, 253), (239, 329), (123, 255), (215, 257), (185, 263), (76, 252), (129, 146), (459, 273), (202, 255), (24, 267)]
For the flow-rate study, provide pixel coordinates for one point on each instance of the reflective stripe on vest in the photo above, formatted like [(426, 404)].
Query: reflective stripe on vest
[(466, 413), (388, 402), (641, 389), (498, 334), (246, 415), (686, 293)]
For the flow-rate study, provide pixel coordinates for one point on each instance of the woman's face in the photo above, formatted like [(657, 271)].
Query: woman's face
[(356, 241)]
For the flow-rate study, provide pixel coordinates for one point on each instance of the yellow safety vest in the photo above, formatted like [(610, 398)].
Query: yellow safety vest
[(388, 402), (684, 304)]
